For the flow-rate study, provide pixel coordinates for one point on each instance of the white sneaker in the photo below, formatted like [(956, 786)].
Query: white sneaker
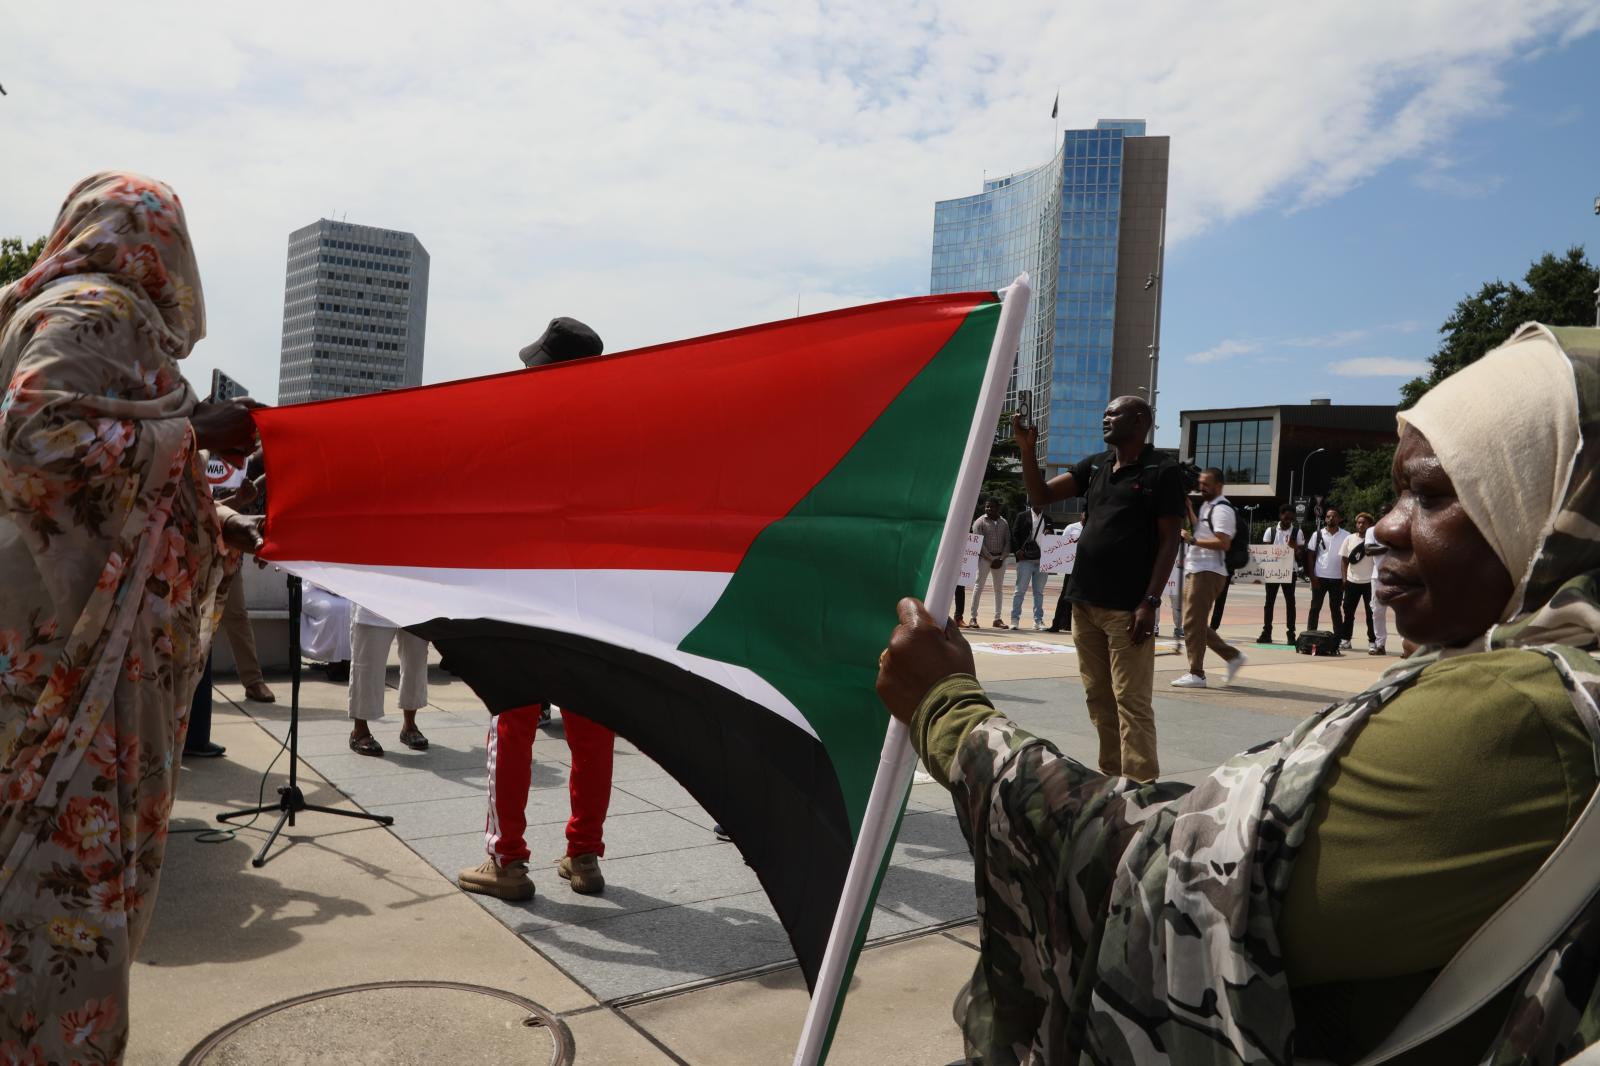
[(1344, 645), (1232, 667), (1038, 627), (1190, 681)]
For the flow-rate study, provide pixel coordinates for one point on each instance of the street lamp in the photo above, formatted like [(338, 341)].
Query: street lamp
[(1152, 280), (1250, 522)]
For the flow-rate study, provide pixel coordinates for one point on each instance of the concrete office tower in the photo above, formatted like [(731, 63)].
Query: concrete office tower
[(355, 311), (1086, 226)]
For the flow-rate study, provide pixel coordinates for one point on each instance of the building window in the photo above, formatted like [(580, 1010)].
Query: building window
[(1240, 448)]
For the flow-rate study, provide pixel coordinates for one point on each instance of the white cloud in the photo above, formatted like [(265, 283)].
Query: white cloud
[(1379, 367), (693, 166), (1224, 351)]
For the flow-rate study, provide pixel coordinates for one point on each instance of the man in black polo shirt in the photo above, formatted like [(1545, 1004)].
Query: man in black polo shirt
[(1127, 548)]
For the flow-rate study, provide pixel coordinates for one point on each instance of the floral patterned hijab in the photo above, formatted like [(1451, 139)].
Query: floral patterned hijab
[(118, 257)]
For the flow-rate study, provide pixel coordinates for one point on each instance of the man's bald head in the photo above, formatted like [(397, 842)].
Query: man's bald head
[(1127, 419)]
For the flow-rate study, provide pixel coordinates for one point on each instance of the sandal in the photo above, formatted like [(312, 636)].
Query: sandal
[(414, 740), (367, 745)]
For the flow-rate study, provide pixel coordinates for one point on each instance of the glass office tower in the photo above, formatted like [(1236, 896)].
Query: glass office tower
[(1086, 228)]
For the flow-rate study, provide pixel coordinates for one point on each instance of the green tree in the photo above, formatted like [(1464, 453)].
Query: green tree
[(1557, 290), (16, 257), (1366, 484)]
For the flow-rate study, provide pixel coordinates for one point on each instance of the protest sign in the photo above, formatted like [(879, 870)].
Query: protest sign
[(969, 561), (1272, 563), (221, 474), (1058, 551)]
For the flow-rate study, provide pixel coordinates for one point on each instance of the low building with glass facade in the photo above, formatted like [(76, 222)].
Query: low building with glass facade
[(355, 312), (1086, 227), (1267, 455)]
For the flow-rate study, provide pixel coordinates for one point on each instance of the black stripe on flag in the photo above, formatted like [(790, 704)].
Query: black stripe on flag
[(768, 783)]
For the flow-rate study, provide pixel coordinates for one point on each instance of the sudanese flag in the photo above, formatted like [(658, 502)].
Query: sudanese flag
[(699, 545)]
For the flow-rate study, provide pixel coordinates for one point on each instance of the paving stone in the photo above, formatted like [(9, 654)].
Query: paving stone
[(928, 835), (661, 792), (931, 891), (658, 949)]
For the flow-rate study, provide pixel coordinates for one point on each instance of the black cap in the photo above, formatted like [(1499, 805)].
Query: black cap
[(563, 339)]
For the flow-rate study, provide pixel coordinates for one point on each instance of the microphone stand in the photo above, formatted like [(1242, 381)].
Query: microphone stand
[(291, 800)]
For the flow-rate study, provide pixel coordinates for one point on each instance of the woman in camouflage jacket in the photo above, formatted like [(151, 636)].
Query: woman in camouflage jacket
[(1299, 901)]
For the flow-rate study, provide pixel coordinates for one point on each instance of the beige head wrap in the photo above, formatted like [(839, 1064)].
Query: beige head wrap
[(1506, 431)]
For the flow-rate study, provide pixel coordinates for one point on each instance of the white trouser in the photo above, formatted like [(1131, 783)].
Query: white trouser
[(369, 660), (1380, 621), (995, 574)]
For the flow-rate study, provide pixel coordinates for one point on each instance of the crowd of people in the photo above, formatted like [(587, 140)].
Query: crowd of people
[(1294, 905)]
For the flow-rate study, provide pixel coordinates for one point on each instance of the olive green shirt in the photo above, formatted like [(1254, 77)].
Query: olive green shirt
[(1447, 800)]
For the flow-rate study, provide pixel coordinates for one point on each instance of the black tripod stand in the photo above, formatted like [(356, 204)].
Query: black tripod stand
[(291, 801)]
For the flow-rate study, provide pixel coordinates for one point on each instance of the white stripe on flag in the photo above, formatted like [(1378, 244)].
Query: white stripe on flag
[(647, 611)]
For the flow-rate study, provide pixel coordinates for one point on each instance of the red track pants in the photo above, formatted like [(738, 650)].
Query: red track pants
[(510, 747)]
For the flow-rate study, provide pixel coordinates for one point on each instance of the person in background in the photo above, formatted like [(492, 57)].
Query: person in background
[(1134, 507), (371, 636), (113, 559), (1025, 532), (1284, 533), (996, 534), (1062, 621), (1327, 570), (325, 630), (1215, 526), (1380, 613), (242, 639), (509, 745), (1356, 573)]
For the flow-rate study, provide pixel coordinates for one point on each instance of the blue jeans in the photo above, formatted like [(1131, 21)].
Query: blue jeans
[(1028, 573)]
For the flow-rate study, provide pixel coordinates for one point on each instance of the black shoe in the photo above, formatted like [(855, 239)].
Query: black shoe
[(1289, 639), (207, 750), (1264, 638), (338, 672)]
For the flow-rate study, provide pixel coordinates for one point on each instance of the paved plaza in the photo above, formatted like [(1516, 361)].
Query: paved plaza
[(681, 960)]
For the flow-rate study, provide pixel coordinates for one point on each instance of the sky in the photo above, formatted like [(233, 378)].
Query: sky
[(1341, 175)]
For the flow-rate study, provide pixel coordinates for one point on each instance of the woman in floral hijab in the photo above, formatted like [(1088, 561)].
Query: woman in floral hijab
[(1298, 902), (111, 556)]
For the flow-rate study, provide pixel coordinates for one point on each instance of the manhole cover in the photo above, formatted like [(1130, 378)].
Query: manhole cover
[(392, 1023)]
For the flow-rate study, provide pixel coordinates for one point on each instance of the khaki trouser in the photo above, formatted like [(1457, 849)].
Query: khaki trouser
[(369, 662), (241, 638), (1117, 677), (1200, 591), (997, 576)]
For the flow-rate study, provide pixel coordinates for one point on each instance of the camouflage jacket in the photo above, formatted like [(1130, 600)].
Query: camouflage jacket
[(1125, 923)]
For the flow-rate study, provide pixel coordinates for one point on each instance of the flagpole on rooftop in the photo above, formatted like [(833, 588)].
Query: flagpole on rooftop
[(897, 761)]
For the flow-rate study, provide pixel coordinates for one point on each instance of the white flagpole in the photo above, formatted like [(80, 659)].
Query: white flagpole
[(897, 760)]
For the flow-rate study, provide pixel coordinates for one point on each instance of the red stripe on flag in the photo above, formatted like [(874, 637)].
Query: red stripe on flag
[(665, 458)]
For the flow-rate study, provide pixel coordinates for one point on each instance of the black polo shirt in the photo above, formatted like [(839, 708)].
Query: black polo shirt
[(1117, 549)]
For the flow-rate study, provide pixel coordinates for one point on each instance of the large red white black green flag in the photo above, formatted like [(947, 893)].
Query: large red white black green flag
[(699, 545)]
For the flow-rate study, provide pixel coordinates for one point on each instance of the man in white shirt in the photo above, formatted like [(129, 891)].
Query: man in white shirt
[(1327, 570), (1215, 526), (1358, 566), (1376, 549), (1285, 532), (1025, 532)]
